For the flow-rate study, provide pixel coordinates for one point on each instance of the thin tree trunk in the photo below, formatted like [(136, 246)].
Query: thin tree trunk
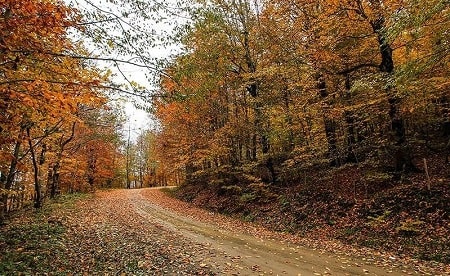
[(91, 171), (12, 168), (350, 121), (446, 125), (54, 187), (290, 139), (253, 90), (37, 184)]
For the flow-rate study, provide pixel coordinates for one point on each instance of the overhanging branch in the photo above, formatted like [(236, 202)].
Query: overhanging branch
[(141, 93), (108, 59), (356, 68)]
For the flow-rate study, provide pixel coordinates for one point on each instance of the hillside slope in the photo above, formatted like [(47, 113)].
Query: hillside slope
[(351, 204)]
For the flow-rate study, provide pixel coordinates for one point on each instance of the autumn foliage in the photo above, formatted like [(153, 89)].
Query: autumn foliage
[(283, 85), (48, 133), (326, 113)]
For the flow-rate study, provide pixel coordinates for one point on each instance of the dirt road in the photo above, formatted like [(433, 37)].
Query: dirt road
[(233, 251), (145, 232), (187, 240)]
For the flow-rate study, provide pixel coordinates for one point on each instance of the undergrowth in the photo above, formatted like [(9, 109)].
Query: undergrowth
[(30, 241)]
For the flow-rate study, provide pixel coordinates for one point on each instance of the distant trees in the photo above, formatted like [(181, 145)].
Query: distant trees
[(292, 83)]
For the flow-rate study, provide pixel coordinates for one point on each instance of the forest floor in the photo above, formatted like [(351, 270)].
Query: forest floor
[(146, 232), (360, 205)]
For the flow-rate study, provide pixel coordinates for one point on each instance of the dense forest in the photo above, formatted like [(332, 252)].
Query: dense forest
[(292, 84), (266, 102)]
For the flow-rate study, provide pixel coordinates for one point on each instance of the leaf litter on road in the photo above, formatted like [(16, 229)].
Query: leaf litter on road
[(136, 232)]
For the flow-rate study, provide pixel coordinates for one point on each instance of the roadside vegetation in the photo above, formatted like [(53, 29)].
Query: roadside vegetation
[(405, 219), (32, 242)]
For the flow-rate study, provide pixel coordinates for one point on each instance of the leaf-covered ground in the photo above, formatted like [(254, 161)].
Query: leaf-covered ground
[(101, 235), (146, 232), (351, 204)]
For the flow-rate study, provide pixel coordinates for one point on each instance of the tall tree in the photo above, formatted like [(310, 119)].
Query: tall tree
[(42, 84)]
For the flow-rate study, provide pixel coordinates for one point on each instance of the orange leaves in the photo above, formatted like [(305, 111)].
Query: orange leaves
[(36, 31), (28, 20), (44, 89), (321, 75), (34, 34)]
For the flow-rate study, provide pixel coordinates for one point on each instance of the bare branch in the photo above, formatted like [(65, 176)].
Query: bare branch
[(357, 67)]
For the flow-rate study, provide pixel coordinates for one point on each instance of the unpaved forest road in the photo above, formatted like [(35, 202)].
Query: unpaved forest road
[(145, 232)]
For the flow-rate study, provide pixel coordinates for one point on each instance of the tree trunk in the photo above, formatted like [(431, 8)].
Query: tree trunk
[(91, 171), (253, 155), (289, 146), (350, 121), (253, 90), (330, 133), (54, 186), (263, 139), (330, 124), (403, 159), (446, 124), (351, 138), (12, 168), (37, 184)]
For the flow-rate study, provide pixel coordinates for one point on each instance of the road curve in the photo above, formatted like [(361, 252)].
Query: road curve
[(235, 252)]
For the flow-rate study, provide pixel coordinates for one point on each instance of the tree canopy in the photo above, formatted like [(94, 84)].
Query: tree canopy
[(47, 101), (308, 82)]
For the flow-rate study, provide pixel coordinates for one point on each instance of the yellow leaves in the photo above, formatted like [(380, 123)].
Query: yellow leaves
[(9, 192), (110, 44)]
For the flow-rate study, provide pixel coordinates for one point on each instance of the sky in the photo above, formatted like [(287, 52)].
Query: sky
[(137, 119)]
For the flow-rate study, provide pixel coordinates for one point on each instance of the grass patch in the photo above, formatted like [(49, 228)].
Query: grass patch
[(30, 247), (249, 217), (33, 241), (247, 197), (170, 191), (350, 231), (62, 202)]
